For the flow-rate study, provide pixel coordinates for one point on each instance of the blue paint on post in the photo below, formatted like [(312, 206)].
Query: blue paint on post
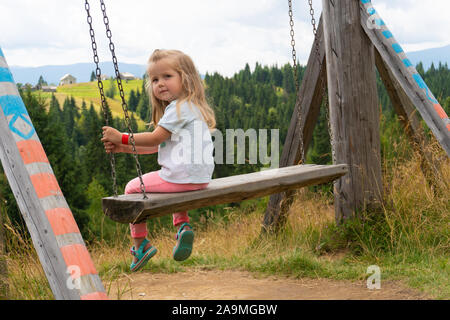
[(5, 75), (387, 34), (379, 22), (371, 11), (407, 63), (397, 48), (1, 53), (13, 105), (424, 86), (365, 1)]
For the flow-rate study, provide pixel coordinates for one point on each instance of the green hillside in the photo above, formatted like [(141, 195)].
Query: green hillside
[(89, 92)]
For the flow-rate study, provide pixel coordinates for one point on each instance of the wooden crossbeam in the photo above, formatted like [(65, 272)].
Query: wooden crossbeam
[(133, 208)]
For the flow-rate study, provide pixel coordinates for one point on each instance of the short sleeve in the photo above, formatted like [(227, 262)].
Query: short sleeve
[(170, 120)]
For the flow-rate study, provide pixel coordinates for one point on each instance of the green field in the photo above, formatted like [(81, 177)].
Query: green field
[(89, 92)]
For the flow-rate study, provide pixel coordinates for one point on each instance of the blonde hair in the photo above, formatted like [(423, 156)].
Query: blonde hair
[(193, 89)]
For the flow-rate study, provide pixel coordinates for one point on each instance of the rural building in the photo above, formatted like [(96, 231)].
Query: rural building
[(127, 76), (48, 88), (67, 79)]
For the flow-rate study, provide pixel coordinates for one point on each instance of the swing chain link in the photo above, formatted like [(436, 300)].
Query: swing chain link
[(313, 23), (98, 72), (297, 86), (325, 90), (294, 52), (122, 96)]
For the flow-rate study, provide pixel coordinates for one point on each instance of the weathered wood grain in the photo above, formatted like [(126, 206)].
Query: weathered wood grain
[(354, 111), (133, 208)]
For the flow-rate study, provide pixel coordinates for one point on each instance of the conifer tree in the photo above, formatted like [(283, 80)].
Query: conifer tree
[(132, 101), (66, 167), (41, 82), (111, 92)]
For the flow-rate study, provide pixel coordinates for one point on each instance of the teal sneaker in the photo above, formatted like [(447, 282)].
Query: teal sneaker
[(185, 241), (142, 257)]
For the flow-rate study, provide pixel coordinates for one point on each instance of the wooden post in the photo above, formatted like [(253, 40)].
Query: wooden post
[(54, 232), (309, 98), (406, 74), (354, 112), (4, 286)]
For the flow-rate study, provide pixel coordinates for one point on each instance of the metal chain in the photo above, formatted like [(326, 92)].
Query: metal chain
[(122, 96), (313, 22), (297, 86), (294, 52), (98, 73), (325, 90)]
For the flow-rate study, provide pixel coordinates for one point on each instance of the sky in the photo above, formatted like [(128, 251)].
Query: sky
[(219, 35)]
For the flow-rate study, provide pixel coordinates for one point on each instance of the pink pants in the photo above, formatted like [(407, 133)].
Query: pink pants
[(154, 183)]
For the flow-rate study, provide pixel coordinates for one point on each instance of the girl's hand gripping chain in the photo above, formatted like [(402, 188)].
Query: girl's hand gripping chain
[(112, 148), (111, 135), (112, 140)]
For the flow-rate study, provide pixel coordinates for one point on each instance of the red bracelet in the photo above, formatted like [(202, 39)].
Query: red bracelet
[(125, 138)]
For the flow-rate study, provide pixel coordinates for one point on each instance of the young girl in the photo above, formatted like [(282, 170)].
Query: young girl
[(183, 120)]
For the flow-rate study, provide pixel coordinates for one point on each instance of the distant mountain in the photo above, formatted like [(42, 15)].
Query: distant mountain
[(429, 56), (81, 71)]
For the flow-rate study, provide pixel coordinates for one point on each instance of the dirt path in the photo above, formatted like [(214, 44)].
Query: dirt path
[(238, 285)]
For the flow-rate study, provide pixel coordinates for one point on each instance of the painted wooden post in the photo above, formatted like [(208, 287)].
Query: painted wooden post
[(406, 74), (354, 111), (55, 234), (309, 98)]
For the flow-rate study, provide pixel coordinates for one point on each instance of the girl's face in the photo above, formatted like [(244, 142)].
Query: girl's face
[(165, 81)]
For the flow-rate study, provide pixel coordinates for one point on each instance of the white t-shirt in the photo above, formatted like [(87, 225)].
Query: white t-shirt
[(187, 156)]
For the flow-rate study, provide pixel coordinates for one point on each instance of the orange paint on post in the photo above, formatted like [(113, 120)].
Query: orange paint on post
[(95, 296), (45, 185), (76, 255), (32, 151), (62, 221), (440, 111)]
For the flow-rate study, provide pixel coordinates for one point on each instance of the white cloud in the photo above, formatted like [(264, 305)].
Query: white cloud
[(220, 35), (416, 25)]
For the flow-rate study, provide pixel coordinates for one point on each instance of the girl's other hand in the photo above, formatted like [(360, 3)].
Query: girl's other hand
[(111, 135), (112, 148)]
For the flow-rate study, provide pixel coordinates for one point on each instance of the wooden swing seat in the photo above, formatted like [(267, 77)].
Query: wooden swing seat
[(133, 208)]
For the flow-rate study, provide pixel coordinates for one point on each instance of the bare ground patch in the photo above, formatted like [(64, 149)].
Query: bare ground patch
[(240, 285)]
